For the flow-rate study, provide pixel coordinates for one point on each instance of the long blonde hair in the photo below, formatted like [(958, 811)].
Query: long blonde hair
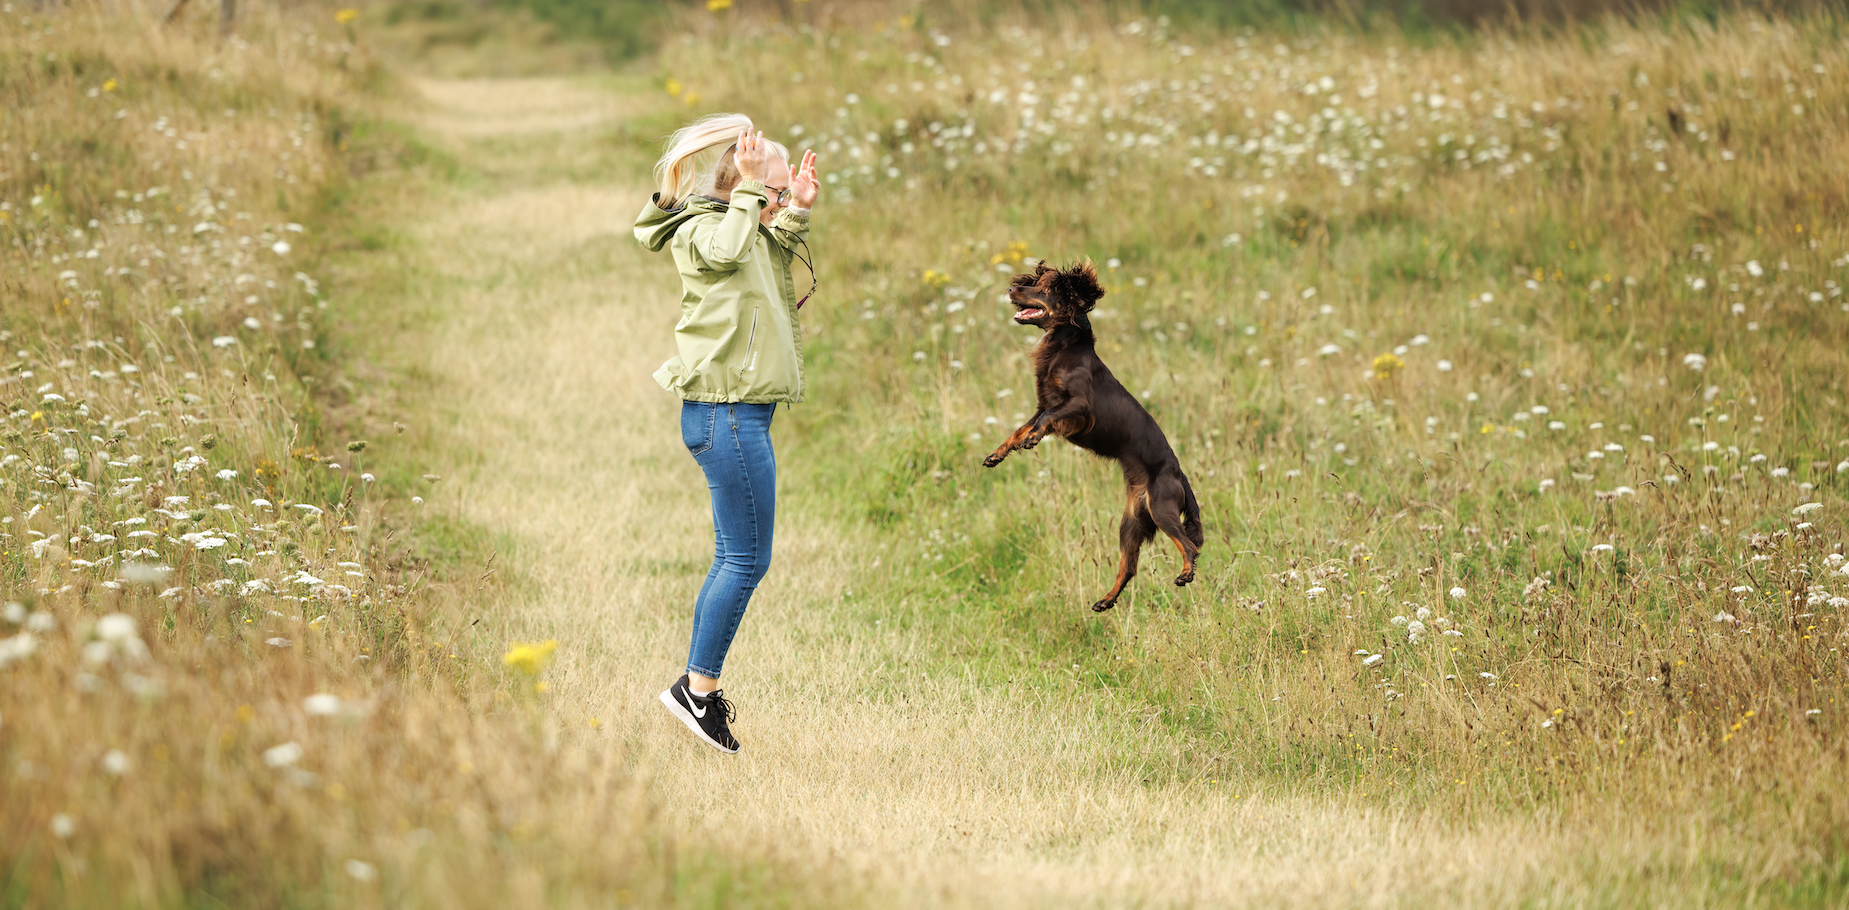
[(690, 163)]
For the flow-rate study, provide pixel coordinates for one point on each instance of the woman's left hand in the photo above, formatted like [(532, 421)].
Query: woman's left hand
[(804, 187)]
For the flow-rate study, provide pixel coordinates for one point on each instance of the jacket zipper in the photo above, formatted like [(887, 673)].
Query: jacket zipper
[(751, 361)]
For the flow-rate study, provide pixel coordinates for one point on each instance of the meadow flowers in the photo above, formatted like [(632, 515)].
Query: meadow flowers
[(283, 755), (529, 659)]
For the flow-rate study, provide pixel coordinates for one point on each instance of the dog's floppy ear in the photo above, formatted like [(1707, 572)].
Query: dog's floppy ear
[(1041, 278), (1078, 284)]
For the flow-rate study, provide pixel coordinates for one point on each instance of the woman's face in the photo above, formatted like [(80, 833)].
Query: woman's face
[(776, 187)]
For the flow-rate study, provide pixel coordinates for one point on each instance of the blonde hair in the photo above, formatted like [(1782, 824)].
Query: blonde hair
[(690, 164)]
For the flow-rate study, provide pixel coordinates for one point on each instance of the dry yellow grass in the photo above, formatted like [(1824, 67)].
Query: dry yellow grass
[(218, 682)]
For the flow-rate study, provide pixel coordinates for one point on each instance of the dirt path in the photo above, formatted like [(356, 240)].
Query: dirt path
[(552, 321)]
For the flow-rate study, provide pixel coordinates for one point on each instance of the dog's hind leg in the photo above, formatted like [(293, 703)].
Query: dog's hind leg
[(1136, 530), (1168, 501)]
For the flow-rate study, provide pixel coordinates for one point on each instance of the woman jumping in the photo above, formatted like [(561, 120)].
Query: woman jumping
[(734, 219)]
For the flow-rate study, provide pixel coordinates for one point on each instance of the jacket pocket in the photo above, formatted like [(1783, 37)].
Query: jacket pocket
[(697, 424)]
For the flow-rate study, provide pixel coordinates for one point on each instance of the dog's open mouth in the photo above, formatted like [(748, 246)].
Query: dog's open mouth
[(1028, 312)]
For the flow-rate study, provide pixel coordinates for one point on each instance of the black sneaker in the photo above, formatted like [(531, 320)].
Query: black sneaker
[(706, 715)]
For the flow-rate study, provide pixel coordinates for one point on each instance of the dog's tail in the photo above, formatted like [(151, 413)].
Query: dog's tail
[(1191, 514)]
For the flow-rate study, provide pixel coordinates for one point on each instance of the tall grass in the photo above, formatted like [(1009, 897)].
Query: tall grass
[(225, 679), (1508, 368)]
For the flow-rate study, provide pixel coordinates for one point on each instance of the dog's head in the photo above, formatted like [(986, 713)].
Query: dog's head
[(1048, 297)]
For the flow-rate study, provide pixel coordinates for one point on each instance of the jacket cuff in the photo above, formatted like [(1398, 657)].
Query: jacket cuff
[(753, 189)]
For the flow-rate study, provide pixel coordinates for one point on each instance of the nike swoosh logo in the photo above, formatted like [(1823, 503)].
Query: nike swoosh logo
[(694, 706)]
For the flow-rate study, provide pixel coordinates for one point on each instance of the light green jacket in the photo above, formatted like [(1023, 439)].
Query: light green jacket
[(738, 338)]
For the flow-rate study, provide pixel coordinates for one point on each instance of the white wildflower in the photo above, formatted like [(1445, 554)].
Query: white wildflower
[(322, 704), (17, 648), (284, 755)]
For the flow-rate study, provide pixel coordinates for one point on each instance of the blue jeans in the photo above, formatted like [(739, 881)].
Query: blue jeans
[(731, 442)]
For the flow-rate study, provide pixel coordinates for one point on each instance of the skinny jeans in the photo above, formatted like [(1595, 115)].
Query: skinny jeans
[(731, 443)]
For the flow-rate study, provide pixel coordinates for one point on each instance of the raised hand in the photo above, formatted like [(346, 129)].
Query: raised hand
[(750, 155), (804, 187)]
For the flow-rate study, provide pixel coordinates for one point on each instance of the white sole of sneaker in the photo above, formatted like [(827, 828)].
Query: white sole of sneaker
[(686, 717)]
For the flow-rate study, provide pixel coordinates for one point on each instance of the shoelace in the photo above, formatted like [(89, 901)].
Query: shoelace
[(718, 698)]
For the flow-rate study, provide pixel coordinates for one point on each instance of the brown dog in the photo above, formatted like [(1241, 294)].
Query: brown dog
[(1079, 399)]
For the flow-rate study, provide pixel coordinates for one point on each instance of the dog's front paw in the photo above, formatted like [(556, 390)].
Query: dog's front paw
[(1182, 580), (1103, 605), (994, 459), (1031, 441)]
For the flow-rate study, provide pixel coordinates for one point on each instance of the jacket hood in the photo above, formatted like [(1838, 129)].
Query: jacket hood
[(656, 226)]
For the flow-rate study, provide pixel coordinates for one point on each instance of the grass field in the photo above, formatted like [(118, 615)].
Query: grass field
[(1508, 368)]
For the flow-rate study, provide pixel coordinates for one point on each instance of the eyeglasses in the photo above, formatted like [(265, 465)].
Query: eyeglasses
[(782, 196)]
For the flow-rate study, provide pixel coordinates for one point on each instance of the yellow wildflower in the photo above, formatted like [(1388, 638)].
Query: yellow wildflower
[(1015, 252), (109, 85), (714, 6), (530, 657), (346, 16), (1388, 364), (673, 86)]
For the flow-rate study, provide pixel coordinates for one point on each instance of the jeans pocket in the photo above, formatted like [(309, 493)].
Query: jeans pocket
[(697, 426)]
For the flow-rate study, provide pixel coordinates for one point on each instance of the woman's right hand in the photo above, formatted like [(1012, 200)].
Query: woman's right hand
[(750, 155)]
